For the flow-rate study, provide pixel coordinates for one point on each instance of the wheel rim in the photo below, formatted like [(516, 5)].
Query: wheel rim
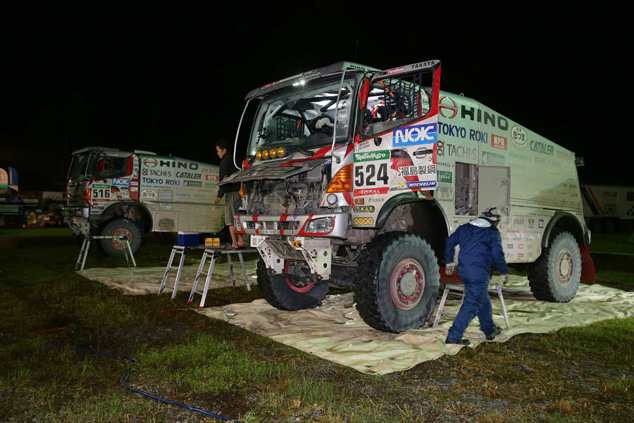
[(407, 284), (300, 289), (565, 267), (117, 243)]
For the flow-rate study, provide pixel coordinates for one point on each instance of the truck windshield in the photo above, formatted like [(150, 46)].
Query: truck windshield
[(304, 115), (78, 166)]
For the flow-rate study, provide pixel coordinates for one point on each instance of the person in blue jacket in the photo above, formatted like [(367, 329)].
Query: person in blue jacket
[(480, 249)]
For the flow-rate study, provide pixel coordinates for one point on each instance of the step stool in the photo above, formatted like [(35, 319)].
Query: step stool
[(213, 255), (177, 249), (460, 288), (85, 248)]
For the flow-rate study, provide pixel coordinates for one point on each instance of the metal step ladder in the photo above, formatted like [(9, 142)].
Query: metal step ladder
[(460, 288), (85, 248), (177, 249), (213, 255)]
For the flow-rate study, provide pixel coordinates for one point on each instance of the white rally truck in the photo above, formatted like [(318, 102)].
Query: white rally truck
[(113, 192), (355, 177)]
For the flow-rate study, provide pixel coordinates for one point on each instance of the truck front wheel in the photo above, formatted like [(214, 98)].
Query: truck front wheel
[(397, 284), (114, 247), (284, 294), (556, 274)]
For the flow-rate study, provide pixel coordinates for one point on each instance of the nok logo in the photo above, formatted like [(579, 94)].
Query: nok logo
[(414, 135)]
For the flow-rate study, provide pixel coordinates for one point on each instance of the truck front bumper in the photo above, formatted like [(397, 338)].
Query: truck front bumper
[(305, 238)]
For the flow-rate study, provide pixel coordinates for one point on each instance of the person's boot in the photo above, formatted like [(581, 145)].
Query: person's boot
[(494, 334), (460, 342)]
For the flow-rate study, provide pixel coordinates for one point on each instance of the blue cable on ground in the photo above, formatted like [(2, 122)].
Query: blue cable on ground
[(122, 380)]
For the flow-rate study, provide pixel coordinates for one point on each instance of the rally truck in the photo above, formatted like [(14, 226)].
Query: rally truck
[(112, 192), (355, 177)]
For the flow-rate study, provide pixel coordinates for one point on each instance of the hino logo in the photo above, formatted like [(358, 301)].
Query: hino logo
[(488, 118), (178, 165), (413, 135)]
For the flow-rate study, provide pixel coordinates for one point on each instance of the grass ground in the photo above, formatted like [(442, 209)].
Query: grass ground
[(582, 374)]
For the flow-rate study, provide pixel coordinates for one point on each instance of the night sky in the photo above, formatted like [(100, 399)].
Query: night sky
[(173, 81)]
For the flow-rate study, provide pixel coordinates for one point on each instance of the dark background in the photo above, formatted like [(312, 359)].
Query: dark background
[(173, 80)]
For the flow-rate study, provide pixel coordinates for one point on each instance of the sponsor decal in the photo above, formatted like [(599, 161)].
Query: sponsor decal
[(213, 178), (395, 70), (452, 130), (416, 170), (188, 175), (192, 183), (519, 137), (446, 149), (372, 155), (148, 194), (121, 182), (540, 224), (363, 221), (498, 142), (420, 184), (414, 135), (541, 148), (448, 107), (208, 170), (489, 158), (363, 209), (478, 136), (371, 191), (156, 172), (445, 177), (160, 181)]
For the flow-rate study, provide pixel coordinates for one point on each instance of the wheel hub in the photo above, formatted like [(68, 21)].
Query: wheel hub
[(118, 243), (407, 284), (565, 267)]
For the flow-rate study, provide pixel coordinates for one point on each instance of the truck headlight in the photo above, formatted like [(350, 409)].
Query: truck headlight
[(321, 225)]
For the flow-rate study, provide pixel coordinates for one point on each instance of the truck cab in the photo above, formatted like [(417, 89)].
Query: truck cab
[(113, 192)]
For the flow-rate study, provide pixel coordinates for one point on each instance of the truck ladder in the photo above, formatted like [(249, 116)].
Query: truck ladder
[(177, 249), (213, 255)]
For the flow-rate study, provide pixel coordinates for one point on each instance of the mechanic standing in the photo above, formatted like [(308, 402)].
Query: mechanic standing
[(480, 248), (231, 191)]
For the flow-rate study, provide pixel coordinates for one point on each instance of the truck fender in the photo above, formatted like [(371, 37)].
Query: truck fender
[(428, 221), (569, 222), (112, 212)]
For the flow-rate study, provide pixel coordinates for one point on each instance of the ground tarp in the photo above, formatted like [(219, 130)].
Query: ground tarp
[(336, 332)]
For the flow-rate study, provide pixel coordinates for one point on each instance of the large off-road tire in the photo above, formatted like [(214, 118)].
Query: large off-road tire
[(398, 281), (556, 274), (114, 247), (280, 292)]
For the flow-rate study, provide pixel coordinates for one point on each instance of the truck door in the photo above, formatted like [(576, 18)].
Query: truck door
[(494, 188), (395, 150)]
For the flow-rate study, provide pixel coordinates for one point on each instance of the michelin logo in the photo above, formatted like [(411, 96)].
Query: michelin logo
[(414, 135)]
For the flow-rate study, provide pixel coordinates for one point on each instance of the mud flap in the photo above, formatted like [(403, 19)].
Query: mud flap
[(587, 266), (453, 279)]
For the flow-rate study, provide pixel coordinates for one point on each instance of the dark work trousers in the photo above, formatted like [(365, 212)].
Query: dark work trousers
[(476, 302)]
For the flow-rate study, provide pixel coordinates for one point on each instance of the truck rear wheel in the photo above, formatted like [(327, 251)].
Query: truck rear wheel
[(114, 247), (282, 293), (397, 284), (556, 274)]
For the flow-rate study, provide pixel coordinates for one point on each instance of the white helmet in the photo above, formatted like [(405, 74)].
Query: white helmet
[(492, 213)]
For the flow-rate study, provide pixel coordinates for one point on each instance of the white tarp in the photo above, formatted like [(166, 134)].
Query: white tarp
[(336, 332)]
